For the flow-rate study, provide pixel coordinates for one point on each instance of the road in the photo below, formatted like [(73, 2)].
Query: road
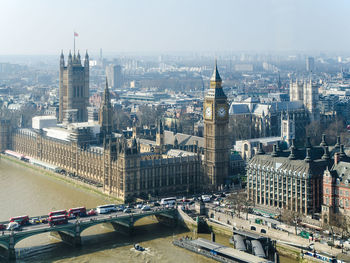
[(73, 221)]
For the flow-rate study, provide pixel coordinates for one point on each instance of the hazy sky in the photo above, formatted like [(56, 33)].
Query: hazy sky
[(46, 26)]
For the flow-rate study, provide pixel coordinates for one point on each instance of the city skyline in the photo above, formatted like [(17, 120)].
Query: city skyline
[(158, 26)]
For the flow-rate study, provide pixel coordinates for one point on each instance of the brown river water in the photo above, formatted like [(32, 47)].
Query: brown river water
[(25, 191)]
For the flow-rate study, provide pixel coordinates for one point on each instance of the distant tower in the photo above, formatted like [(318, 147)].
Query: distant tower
[(296, 91), (74, 88), (311, 98), (106, 114), (310, 64), (279, 83), (216, 153)]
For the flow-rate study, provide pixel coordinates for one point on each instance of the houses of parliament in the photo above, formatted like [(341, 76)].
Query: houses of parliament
[(126, 168)]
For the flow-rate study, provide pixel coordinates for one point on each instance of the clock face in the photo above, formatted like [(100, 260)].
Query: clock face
[(208, 112), (222, 112)]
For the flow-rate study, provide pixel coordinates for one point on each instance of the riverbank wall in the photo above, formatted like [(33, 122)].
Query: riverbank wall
[(61, 177)]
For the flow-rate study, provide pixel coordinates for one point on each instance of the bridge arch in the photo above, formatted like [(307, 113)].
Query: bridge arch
[(4, 244), (127, 221), (22, 236)]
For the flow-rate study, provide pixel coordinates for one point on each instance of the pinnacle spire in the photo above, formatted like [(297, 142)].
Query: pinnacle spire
[(216, 76)]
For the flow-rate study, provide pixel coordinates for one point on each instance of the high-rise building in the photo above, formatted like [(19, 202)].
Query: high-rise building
[(310, 64), (114, 76), (216, 148), (73, 88)]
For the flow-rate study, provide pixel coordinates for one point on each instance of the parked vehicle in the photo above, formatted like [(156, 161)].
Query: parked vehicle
[(139, 206), (22, 220), (105, 209)]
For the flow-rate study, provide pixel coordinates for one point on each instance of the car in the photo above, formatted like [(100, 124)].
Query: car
[(120, 208), (145, 208), (35, 221), (156, 204), (44, 220), (92, 212), (170, 206), (127, 210), (13, 226), (216, 202), (206, 198), (2, 227), (139, 206)]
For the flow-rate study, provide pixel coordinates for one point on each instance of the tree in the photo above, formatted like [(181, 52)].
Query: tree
[(314, 130), (240, 203), (291, 217), (339, 224), (121, 120)]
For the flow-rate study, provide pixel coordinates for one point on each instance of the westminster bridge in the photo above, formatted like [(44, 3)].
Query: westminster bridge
[(71, 232)]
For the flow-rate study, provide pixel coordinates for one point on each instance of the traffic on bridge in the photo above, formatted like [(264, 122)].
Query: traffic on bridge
[(76, 216)]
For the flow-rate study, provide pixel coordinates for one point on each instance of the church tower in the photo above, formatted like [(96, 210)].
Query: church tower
[(106, 114), (216, 148), (73, 89)]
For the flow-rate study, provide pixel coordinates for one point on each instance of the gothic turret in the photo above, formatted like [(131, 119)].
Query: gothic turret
[(78, 58), (105, 116), (86, 62), (62, 60), (70, 59), (323, 142), (160, 135)]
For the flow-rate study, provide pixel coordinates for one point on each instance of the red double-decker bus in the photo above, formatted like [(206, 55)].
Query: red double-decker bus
[(79, 211), (58, 220), (57, 213), (22, 220)]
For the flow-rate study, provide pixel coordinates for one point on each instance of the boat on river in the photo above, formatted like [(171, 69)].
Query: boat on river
[(138, 247)]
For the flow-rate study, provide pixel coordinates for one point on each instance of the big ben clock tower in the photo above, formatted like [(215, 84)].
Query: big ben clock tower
[(216, 148)]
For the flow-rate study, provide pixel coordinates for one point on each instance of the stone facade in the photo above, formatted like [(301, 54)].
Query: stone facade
[(5, 132), (118, 166), (73, 89), (336, 187), (216, 146)]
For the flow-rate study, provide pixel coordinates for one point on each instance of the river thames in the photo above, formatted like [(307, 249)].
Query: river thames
[(25, 191)]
